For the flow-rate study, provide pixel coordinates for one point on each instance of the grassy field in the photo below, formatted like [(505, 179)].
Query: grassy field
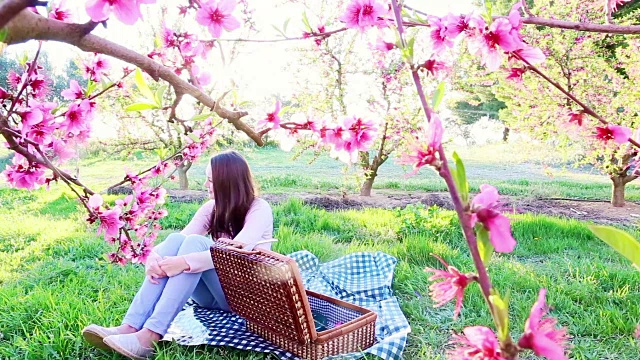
[(277, 172), (54, 281)]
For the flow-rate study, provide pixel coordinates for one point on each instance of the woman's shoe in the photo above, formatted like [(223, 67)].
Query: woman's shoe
[(129, 346), (94, 335)]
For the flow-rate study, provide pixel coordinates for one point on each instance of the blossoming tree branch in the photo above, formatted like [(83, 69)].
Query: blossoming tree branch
[(40, 133)]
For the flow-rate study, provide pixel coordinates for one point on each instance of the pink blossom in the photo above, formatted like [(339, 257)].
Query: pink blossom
[(76, 117), (95, 201), (435, 67), (168, 37), (484, 206), (514, 16), (423, 150), (613, 4), (272, 120), (453, 285), (532, 55), (216, 15), (110, 222), (4, 95), (619, 134), (515, 74), (360, 134), (461, 24), (116, 258), (74, 92), (492, 44), (202, 77), (15, 80), (637, 334), (62, 150), (439, 34), (160, 168), (96, 68), (576, 116), (384, 46), (541, 335), (23, 175), (363, 14), (60, 11), (478, 343), (127, 11)]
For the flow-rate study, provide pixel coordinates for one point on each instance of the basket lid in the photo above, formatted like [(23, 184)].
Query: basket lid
[(266, 289)]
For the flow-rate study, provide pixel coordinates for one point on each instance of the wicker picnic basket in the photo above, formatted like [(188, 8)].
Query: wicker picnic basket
[(266, 289)]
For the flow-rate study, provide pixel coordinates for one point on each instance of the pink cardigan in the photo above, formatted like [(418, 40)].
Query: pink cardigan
[(258, 226)]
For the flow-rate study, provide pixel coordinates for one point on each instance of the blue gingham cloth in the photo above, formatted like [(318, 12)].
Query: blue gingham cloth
[(360, 278)]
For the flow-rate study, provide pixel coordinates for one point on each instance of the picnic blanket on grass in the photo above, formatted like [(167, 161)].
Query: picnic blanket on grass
[(361, 278)]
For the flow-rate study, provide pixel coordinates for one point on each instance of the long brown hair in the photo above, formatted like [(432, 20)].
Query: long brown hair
[(233, 193)]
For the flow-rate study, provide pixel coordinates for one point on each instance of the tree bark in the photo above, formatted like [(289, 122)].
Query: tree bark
[(505, 134), (183, 179), (365, 190), (618, 189)]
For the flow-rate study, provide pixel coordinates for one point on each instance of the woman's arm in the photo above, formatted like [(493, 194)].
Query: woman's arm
[(259, 220), (199, 224)]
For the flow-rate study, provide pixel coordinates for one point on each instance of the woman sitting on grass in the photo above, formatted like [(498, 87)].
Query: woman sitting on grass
[(181, 267)]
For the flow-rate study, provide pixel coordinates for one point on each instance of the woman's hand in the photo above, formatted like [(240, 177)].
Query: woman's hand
[(152, 269), (233, 243), (173, 265)]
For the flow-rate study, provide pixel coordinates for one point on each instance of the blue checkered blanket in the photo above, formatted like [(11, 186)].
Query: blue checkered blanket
[(362, 278)]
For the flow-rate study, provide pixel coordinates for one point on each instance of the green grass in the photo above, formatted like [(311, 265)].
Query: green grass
[(54, 280)]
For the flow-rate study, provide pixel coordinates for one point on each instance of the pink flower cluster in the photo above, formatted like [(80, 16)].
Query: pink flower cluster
[(96, 68), (179, 52), (137, 213), (127, 11), (492, 42), (39, 127), (540, 335), (60, 11), (196, 148)]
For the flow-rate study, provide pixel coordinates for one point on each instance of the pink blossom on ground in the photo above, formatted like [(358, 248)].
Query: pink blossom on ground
[(60, 11), (216, 16), (485, 205), (477, 343), (423, 149), (541, 335), (453, 285), (619, 134), (74, 92), (363, 14), (272, 120)]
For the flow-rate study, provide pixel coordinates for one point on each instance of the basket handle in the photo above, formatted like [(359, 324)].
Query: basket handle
[(242, 251)]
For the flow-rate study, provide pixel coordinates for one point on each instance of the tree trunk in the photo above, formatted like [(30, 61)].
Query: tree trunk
[(617, 193), (505, 134), (182, 175), (365, 190)]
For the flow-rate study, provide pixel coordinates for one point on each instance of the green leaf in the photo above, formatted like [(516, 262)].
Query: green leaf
[(484, 245), (278, 30), (200, 117), (194, 137), (4, 32), (159, 94), (500, 314), (142, 86), (461, 178), (91, 87), (141, 107), (162, 153), (285, 25), (305, 20), (620, 241), (436, 99)]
